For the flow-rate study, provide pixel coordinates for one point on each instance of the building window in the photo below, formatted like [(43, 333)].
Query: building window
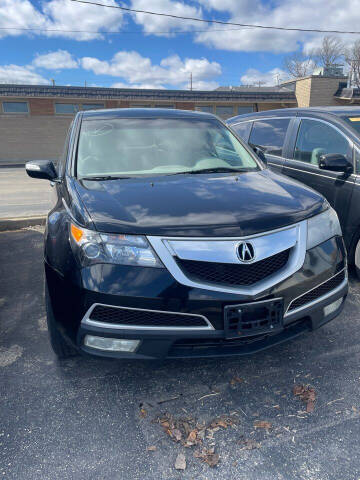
[(15, 107), (92, 106), (205, 108), (134, 105), (224, 111), (243, 109), (67, 108), (164, 106)]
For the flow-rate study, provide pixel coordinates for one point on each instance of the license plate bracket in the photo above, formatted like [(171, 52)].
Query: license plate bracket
[(255, 318)]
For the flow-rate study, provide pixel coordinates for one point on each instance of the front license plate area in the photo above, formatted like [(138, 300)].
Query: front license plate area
[(254, 318)]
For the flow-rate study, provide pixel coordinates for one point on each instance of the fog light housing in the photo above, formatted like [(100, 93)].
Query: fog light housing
[(111, 344), (332, 307)]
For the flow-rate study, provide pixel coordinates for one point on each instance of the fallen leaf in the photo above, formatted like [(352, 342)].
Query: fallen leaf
[(180, 462), (307, 395), (152, 448), (143, 413), (177, 435), (192, 436), (250, 444), (262, 424), (208, 455), (236, 380)]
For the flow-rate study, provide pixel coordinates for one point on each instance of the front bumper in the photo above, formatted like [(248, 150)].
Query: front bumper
[(156, 289)]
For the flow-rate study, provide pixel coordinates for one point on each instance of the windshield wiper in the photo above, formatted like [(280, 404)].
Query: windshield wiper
[(218, 170), (103, 177)]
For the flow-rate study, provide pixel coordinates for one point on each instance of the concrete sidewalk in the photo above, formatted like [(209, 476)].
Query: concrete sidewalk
[(22, 196)]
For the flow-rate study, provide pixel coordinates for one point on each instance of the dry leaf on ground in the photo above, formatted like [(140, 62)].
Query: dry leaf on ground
[(143, 412), (152, 448), (262, 424), (250, 444), (307, 395), (236, 380), (208, 455), (180, 462)]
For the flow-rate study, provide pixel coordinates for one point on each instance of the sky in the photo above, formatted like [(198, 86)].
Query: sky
[(146, 51)]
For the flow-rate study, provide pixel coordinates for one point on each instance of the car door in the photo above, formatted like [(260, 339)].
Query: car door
[(314, 138), (269, 135)]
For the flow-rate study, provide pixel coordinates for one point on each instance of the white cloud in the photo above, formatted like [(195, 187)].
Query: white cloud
[(59, 15), (284, 13), (253, 76), (136, 70), (154, 23), (20, 75), (59, 60)]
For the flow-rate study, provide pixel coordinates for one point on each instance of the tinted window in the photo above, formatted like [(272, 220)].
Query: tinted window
[(66, 108), (224, 111), (354, 121), (242, 129), (155, 146), (269, 135), (15, 107), (317, 138), (92, 106), (242, 109), (205, 108)]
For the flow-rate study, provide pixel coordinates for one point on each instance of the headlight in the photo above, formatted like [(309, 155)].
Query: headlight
[(94, 247), (322, 227)]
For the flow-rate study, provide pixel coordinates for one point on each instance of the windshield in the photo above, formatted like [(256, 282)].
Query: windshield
[(152, 146), (354, 121)]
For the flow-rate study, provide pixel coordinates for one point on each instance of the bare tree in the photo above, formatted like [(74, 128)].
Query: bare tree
[(352, 58), (299, 65), (329, 52)]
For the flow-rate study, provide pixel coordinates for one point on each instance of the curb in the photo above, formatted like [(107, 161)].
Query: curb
[(12, 165), (7, 224)]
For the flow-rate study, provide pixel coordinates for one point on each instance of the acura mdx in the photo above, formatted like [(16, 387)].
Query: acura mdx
[(169, 238)]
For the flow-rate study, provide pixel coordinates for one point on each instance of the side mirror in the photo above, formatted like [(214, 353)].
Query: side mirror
[(260, 154), (41, 169), (335, 162)]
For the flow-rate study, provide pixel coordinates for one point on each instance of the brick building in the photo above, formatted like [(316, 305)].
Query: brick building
[(34, 119)]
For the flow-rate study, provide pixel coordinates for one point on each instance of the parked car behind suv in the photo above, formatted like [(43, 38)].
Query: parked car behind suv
[(169, 238), (319, 147)]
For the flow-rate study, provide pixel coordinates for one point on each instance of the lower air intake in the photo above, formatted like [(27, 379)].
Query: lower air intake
[(145, 318)]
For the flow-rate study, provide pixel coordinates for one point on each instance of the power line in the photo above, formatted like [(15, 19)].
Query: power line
[(220, 22)]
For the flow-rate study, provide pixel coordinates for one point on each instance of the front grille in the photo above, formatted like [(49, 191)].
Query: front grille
[(231, 273), (318, 292), (145, 318)]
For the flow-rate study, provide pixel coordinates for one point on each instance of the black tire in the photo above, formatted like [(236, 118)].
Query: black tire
[(59, 344), (356, 257)]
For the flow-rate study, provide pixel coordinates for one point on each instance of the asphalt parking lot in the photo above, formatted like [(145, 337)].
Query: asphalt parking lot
[(95, 419)]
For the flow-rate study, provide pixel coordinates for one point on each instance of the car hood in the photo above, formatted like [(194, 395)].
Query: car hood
[(198, 205)]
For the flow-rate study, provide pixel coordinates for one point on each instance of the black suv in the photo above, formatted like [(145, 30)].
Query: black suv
[(169, 238), (319, 147)]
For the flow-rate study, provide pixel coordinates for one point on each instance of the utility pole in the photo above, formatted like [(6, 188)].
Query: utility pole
[(53, 82), (277, 76), (85, 83), (191, 81)]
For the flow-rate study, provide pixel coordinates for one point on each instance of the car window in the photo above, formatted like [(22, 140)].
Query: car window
[(269, 135), (317, 138), (158, 146), (242, 129)]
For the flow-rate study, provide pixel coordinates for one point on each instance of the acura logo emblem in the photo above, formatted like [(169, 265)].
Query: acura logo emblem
[(245, 252)]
